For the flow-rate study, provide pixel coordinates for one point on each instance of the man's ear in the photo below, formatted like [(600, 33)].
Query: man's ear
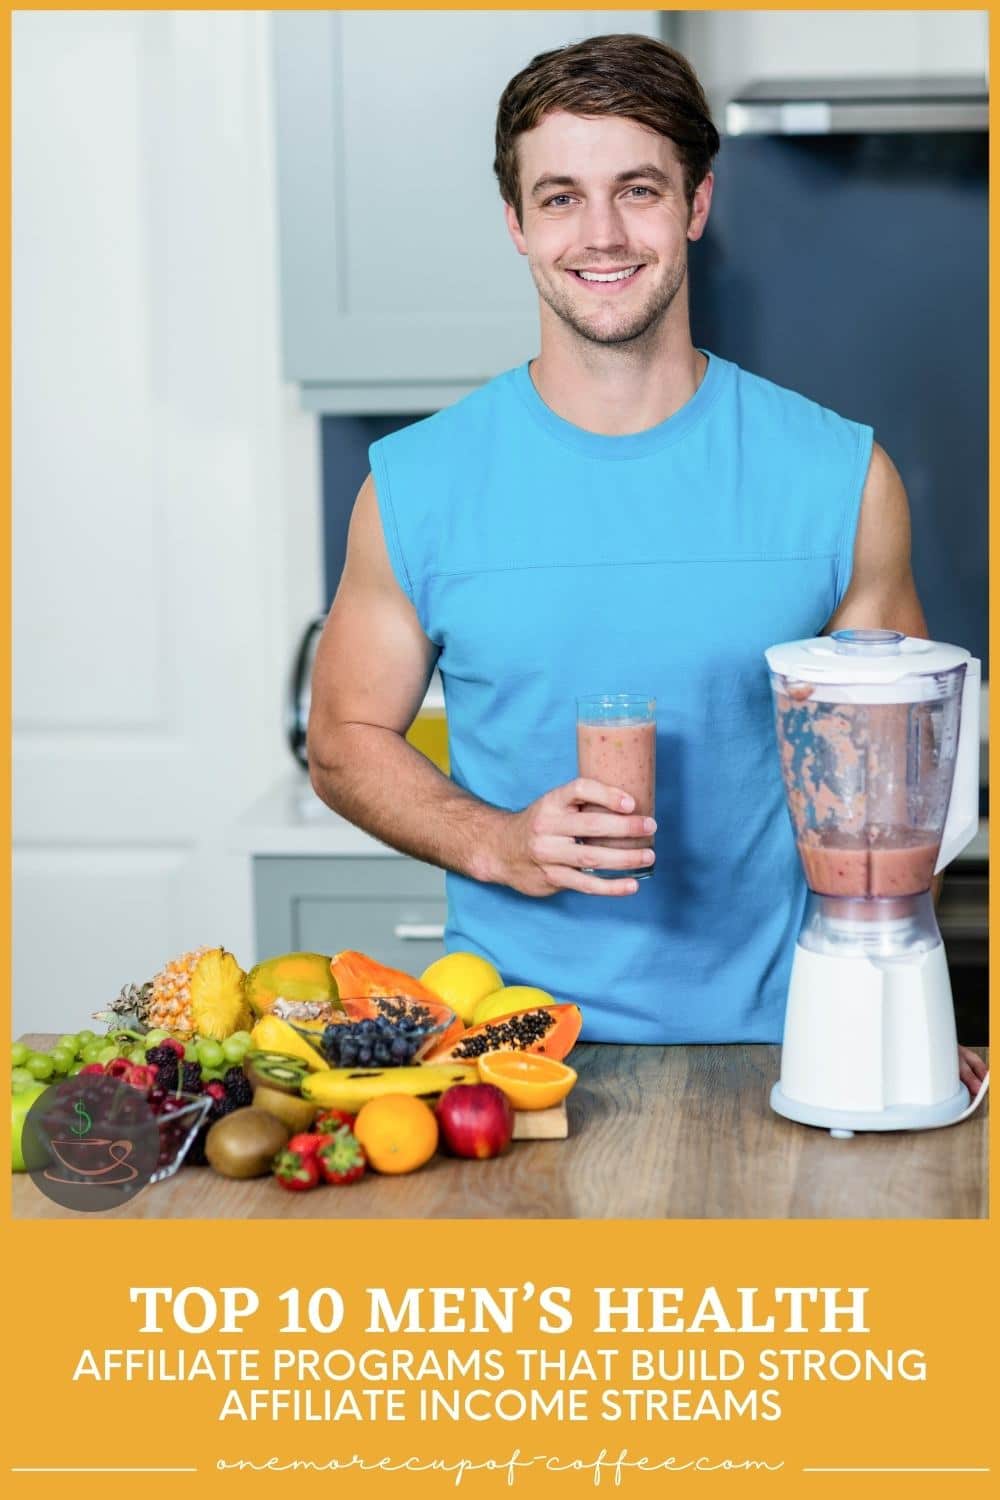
[(700, 206), (514, 229)]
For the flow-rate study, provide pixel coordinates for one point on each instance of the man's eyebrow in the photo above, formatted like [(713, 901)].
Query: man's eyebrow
[(646, 169)]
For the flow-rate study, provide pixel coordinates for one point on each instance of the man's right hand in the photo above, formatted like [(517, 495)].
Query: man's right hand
[(538, 852)]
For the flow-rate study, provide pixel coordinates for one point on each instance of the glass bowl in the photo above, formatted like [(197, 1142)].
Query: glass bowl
[(177, 1133)]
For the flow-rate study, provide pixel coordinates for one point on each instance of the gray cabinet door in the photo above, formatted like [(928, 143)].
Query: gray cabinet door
[(400, 287), (391, 908)]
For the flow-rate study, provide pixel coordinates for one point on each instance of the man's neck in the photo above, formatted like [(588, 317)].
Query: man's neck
[(616, 390)]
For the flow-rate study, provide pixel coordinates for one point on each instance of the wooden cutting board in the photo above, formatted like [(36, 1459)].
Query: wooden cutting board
[(541, 1124)]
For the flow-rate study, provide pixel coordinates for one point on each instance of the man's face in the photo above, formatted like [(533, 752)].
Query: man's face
[(604, 197)]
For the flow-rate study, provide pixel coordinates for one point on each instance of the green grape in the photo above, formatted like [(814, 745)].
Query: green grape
[(67, 1043), (19, 1055), (91, 1051), (39, 1065), (62, 1059), (190, 1051), (84, 1038), (76, 1068), (210, 1053), (136, 1054), (20, 1079), (154, 1038), (107, 1054), (236, 1047), (212, 1075)]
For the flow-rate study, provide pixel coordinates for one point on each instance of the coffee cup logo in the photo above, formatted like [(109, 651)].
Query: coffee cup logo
[(91, 1143)]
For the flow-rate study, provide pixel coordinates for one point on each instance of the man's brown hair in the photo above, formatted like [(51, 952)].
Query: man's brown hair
[(621, 74)]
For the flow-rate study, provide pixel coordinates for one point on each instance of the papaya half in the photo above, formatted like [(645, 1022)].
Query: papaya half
[(357, 976), (551, 1030)]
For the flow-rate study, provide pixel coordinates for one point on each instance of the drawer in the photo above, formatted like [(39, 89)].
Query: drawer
[(406, 933), (392, 908)]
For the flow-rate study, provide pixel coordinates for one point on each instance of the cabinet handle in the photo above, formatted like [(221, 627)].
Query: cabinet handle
[(419, 932)]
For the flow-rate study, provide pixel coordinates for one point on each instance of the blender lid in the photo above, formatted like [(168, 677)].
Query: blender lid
[(864, 656)]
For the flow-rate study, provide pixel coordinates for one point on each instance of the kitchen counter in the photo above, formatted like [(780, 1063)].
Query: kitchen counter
[(655, 1133)]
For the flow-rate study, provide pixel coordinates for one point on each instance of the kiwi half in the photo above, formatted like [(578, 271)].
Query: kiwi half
[(292, 1110), (275, 1070)]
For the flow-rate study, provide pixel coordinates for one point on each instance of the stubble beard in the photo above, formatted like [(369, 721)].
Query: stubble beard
[(629, 328)]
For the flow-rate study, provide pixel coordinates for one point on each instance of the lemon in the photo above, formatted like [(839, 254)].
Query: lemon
[(461, 980), (503, 1001)]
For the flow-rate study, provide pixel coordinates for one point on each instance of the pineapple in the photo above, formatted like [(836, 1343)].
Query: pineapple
[(203, 992)]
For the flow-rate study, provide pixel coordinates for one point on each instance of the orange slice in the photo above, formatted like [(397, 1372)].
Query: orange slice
[(529, 1080)]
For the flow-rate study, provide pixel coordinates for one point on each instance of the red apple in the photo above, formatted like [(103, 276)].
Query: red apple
[(475, 1120)]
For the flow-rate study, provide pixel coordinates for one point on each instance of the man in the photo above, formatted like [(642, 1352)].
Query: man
[(627, 513)]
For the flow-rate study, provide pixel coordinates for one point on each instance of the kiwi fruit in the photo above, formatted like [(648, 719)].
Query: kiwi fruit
[(275, 1070), (294, 1111), (245, 1143)]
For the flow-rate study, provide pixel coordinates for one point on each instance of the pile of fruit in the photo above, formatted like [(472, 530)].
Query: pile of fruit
[(320, 1068)]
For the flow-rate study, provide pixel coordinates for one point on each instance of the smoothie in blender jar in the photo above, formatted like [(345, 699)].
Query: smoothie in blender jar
[(616, 744)]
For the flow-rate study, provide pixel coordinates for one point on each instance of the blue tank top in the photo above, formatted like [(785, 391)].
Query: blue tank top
[(548, 562)]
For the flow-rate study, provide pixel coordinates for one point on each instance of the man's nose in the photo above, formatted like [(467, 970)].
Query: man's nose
[(603, 227)]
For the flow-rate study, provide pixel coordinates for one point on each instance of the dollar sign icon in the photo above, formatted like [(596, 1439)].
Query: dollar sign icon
[(85, 1122)]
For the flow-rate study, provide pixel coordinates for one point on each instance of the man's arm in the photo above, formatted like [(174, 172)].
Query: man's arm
[(371, 671), (882, 594)]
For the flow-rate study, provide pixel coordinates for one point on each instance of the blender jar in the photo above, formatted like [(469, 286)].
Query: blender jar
[(868, 736)]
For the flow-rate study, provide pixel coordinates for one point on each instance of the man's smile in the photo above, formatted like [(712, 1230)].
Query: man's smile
[(605, 281)]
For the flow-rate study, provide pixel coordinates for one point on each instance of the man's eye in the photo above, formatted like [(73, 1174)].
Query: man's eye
[(557, 201), (645, 191)]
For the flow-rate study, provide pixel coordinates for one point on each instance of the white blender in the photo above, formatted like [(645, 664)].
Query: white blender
[(879, 740)]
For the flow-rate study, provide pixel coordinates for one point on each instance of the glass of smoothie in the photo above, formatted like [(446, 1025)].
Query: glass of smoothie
[(616, 744)]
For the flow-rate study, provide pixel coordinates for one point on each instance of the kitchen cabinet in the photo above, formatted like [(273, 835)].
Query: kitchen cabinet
[(400, 289), (391, 907)]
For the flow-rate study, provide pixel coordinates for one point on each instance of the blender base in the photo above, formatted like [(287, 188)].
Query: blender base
[(895, 1117), (869, 1042)]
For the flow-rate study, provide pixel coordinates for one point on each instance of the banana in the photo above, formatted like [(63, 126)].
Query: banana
[(350, 1088)]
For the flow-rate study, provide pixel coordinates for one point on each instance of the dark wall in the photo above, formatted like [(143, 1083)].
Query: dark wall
[(344, 448), (854, 269)]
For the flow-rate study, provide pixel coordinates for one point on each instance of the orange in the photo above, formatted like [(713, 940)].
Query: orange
[(398, 1132), (529, 1080)]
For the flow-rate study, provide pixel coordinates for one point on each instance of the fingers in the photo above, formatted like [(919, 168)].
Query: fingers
[(556, 850), (585, 790), (567, 879), (969, 1078), (973, 1060), (971, 1069), (596, 825)]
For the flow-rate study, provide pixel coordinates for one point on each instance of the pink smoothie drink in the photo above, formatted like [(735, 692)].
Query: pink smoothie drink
[(621, 755), (898, 862)]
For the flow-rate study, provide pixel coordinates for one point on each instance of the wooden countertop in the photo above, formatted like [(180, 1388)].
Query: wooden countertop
[(655, 1133)]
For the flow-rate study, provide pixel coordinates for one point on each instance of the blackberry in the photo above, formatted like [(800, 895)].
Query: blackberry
[(167, 1077), (191, 1078), (160, 1056), (237, 1086)]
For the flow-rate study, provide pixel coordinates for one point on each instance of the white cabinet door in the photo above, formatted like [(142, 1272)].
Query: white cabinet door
[(151, 635), (400, 287)]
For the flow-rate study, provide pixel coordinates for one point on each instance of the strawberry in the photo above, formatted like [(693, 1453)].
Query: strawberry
[(93, 1068), (341, 1158), (328, 1121), (295, 1171), (306, 1144)]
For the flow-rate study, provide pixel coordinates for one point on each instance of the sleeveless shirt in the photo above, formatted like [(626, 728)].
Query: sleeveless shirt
[(547, 562)]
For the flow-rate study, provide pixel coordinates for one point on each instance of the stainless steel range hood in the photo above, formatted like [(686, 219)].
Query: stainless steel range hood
[(826, 106)]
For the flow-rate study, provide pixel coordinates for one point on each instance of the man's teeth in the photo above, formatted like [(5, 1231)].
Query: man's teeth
[(609, 275)]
